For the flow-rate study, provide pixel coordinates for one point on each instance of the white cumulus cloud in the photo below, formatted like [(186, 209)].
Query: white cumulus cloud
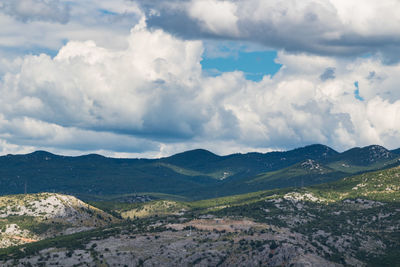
[(324, 27), (218, 17), (152, 97)]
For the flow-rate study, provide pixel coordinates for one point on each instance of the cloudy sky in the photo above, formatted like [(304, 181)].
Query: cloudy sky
[(149, 78)]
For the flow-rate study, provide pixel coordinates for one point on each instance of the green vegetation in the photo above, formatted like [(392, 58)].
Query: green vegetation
[(380, 185), (216, 175), (155, 208), (222, 202), (299, 175), (114, 208), (345, 167)]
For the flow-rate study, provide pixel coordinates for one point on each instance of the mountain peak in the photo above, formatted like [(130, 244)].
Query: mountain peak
[(368, 154), (378, 152), (375, 148), (92, 156), (41, 152), (192, 157), (395, 151), (317, 146), (41, 155), (201, 153), (315, 151)]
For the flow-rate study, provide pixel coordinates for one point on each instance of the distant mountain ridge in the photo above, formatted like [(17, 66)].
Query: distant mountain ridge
[(194, 174), (395, 151)]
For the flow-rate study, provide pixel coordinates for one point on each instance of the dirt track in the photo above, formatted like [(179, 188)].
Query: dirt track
[(26, 240)]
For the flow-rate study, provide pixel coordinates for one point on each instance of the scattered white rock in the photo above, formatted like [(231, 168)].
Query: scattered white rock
[(295, 196)]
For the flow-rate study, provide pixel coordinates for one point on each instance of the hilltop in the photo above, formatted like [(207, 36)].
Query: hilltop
[(32, 217)]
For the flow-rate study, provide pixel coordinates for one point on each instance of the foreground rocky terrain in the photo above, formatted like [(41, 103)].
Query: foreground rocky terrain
[(244, 244), (351, 222)]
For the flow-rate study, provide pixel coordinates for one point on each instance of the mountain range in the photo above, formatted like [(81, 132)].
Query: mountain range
[(195, 174)]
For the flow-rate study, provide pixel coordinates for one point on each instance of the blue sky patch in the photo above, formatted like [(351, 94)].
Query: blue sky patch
[(254, 64), (357, 92), (107, 12)]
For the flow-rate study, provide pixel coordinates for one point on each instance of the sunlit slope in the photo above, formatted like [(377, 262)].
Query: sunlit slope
[(381, 185), (301, 174)]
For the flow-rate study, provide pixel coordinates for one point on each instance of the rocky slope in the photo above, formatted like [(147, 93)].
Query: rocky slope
[(206, 243), (32, 217)]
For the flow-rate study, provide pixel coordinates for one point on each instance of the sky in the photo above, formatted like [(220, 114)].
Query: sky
[(150, 78)]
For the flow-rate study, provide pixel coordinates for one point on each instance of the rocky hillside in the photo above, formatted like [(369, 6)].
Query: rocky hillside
[(31, 217), (205, 242), (351, 222)]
